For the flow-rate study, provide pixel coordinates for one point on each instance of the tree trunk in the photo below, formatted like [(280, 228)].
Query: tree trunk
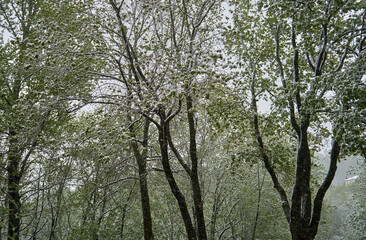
[(301, 196), (144, 192), (215, 208), (197, 196), (124, 211), (260, 187), (55, 215), (163, 143), (145, 202), (318, 200), (14, 176)]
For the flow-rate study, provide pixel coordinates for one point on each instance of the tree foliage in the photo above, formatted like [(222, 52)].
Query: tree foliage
[(172, 119)]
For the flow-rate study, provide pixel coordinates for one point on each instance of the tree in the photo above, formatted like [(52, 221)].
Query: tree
[(147, 68), (172, 136), (104, 175), (39, 82), (299, 56)]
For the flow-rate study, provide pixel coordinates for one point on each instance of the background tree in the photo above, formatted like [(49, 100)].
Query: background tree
[(39, 80), (307, 52), (148, 74), (174, 138)]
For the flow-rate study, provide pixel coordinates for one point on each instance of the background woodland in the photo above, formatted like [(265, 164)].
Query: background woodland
[(181, 119)]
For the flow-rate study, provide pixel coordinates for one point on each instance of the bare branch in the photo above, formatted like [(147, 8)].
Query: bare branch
[(342, 60), (178, 155), (322, 54), (284, 84)]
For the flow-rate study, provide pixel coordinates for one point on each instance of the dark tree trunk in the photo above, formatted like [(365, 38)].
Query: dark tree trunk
[(144, 192), (14, 176), (318, 201), (124, 211), (55, 215), (301, 195), (163, 142), (140, 158), (197, 196)]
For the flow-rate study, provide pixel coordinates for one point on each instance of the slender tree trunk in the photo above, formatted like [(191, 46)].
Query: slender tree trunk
[(163, 142), (38, 212), (260, 187), (144, 192), (214, 217), (55, 215), (197, 196), (53, 228), (215, 208), (265, 158), (124, 211), (14, 204), (318, 200)]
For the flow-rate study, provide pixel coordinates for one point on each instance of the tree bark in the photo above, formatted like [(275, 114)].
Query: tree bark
[(196, 188), (301, 195), (13, 193)]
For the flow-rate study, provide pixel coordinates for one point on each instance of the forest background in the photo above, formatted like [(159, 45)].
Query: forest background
[(182, 119)]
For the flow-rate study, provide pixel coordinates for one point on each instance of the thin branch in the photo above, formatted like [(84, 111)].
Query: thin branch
[(322, 54), (284, 84), (310, 62), (342, 60), (265, 158), (177, 154), (171, 116)]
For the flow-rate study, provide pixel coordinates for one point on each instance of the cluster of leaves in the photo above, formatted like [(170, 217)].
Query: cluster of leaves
[(148, 58)]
